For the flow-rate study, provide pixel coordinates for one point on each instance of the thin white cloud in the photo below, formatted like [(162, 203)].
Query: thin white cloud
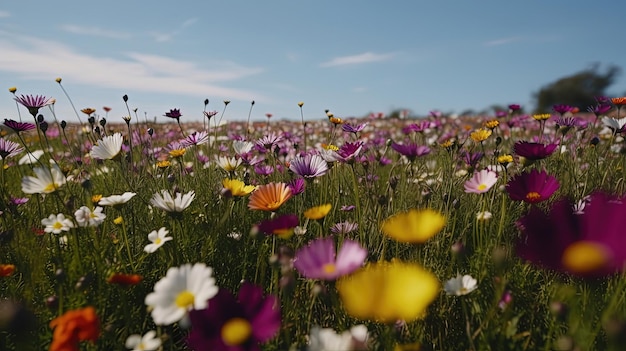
[(4, 14), (38, 59), (502, 41), (94, 31), (367, 57), (163, 37)]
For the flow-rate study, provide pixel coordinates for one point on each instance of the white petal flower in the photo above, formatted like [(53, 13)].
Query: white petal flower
[(157, 239), (85, 217), (242, 147), (326, 339), (56, 224), (165, 201), (30, 158), (229, 164), (460, 285), (46, 181), (148, 342), (182, 289), (108, 147), (115, 200)]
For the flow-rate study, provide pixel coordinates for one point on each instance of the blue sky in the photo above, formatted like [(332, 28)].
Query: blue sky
[(352, 57)]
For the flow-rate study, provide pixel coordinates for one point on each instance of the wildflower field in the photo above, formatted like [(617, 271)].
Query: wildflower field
[(500, 232)]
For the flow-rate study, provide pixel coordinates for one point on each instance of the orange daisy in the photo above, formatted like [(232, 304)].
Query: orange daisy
[(619, 101), (269, 197)]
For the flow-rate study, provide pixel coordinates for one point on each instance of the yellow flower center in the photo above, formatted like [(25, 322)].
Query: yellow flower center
[(329, 268), (57, 225), (163, 164), (533, 196), (585, 257), (157, 241), (505, 159), (177, 153), (185, 299), (236, 331), (482, 187), (49, 188)]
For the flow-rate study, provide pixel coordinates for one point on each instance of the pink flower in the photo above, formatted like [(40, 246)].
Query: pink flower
[(318, 260), (481, 182)]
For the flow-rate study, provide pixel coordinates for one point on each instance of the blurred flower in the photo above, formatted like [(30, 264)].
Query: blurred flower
[(388, 291), (116, 200), (460, 285), (327, 339), (174, 113), (9, 148), (588, 245), (414, 226), (297, 186), (56, 224), (533, 151), (85, 217), (505, 299), (532, 187), (269, 197), (118, 220), (480, 135), (541, 116), (242, 147), (108, 147), (6, 270), (30, 158), (349, 128), (236, 188), (411, 150), (283, 226), (88, 111), (344, 227), (167, 203), (124, 279), (617, 125), (73, 327), (619, 101), (148, 342), (318, 212), (561, 109), (157, 239), (46, 181), (318, 259), (230, 323), (481, 182), (309, 166), (182, 289), (483, 216)]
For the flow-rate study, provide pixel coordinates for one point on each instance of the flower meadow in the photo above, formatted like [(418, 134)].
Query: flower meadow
[(499, 232)]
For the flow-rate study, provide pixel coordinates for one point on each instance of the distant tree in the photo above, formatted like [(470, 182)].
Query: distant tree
[(578, 90)]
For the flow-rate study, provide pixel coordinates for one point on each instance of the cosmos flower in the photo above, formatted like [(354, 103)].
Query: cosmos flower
[(235, 324), (9, 148), (297, 186), (388, 291), (167, 203), (460, 285), (182, 289), (349, 128), (45, 181), (481, 182), (589, 244), (269, 197), (616, 124), (414, 226), (73, 327), (533, 151), (283, 226), (85, 217), (309, 166), (56, 224), (348, 151), (157, 239), (270, 141), (116, 200), (532, 187), (108, 147), (147, 342), (411, 150), (318, 259)]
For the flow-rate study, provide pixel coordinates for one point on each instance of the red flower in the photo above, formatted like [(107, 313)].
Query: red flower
[(124, 279), (72, 327), (6, 270)]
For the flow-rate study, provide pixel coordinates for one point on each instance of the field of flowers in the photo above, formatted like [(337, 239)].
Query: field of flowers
[(500, 232)]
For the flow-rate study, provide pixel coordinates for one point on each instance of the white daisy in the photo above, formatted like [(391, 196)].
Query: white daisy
[(148, 342), (165, 201), (242, 147), (614, 123), (46, 181), (229, 164), (56, 224), (108, 147), (115, 200), (30, 158), (157, 239), (182, 289), (483, 216), (85, 217), (460, 285), (326, 339)]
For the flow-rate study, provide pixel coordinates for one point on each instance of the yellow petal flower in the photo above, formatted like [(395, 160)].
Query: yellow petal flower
[(414, 226), (318, 212), (387, 292)]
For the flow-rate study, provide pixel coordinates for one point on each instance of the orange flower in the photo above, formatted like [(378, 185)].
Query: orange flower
[(619, 101), (72, 327), (269, 197), (6, 269), (124, 279), (88, 111)]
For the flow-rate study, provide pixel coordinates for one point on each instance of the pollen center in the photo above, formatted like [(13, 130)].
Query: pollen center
[(533, 196), (482, 187), (329, 268), (236, 331), (57, 225), (585, 257), (184, 299), (49, 188), (157, 241)]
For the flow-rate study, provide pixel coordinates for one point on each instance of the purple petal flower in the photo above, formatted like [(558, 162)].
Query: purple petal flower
[(317, 260), (533, 151), (532, 187), (173, 113), (411, 150), (18, 126), (309, 166)]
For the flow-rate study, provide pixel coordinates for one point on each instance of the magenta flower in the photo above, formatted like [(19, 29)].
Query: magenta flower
[(514, 107), (309, 166), (195, 138), (532, 187), (411, 150), (174, 113), (533, 151), (33, 102), (589, 244), (348, 128), (562, 108), (282, 225), (318, 260), (349, 151), (235, 324), (9, 148), (297, 186), (18, 126), (481, 182)]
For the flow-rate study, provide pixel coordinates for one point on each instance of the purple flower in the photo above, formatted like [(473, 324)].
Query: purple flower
[(344, 227), (235, 324), (309, 166), (349, 151), (588, 244), (33, 102), (347, 208), (533, 151), (9, 148), (281, 225), (174, 113), (195, 138), (297, 186), (500, 114), (318, 260), (532, 187), (18, 126), (562, 108), (348, 128), (263, 170), (411, 150), (268, 142), (600, 109), (514, 107), (472, 159)]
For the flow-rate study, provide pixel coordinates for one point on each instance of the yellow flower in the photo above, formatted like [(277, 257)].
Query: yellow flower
[(492, 124), (96, 198), (176, 153), (236, 187), (330, 147), (447, 144), (301, 104), (414, 226), (335, 120), (504, 159), (480, 135), (119, 220), (318, 212), (269, 197), (58, 80), (12, 90), (388, 291), (88, 111), (163, 164), (541, 116)]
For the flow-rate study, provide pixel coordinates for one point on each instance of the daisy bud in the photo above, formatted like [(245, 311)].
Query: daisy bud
[(300, 103), (125, 98), (63, 124), (12, 90), (206, 102)]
